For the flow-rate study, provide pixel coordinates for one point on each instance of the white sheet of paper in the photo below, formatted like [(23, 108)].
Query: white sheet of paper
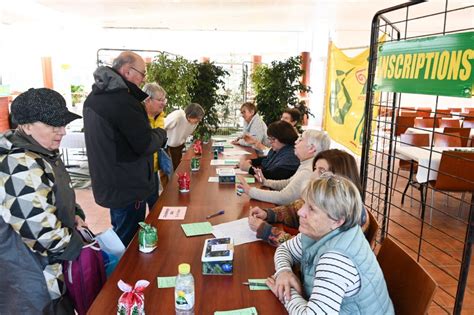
[(224, 162), (235, 152), (239, 230), (213, 179), (237, 171), (172, 213)]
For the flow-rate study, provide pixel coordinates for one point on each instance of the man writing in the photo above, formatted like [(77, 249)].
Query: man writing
[(120, 142)]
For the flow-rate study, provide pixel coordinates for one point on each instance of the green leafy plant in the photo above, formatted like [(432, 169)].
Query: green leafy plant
[(77, 94), (277, 87), (208, 91), (176, 75)]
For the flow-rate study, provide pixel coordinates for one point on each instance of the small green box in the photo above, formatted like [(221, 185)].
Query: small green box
[(218, 256)]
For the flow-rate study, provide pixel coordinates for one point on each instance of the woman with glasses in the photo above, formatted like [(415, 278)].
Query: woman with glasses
[(339, 271), (154, 107), (281, 161), (38, 211), (261, 220), (254, 126)]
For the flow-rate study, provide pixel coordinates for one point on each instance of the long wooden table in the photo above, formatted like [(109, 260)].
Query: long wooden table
[(213, 293)]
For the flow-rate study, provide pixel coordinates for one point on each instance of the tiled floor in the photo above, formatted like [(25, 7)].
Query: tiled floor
[(441, 259)]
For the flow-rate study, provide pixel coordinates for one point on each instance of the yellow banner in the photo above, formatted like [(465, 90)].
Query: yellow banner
[(345, 98)]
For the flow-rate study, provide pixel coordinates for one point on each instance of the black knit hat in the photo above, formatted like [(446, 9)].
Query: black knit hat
[(44, 105)]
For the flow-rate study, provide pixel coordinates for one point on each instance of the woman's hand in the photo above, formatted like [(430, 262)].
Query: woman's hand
[(258, 213), (250, 139), (79, 222), (236, 141), (259, 175), (254, 222), (244, 164), (284, 282), (243, 184)]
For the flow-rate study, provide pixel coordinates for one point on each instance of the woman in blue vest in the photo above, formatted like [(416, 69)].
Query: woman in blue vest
[(339, 271)]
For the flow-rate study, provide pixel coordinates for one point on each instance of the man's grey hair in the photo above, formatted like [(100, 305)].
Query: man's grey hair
[(318, 139), (126, 57), (154, 89), (194, 110)]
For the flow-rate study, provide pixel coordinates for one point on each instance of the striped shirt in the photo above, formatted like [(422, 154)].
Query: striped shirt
[(336, 277)]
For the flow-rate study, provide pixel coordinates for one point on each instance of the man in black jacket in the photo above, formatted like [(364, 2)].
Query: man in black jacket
[(120, 142)]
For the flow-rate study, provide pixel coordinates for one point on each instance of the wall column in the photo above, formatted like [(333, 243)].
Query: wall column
[(306, 67), (47, 72)]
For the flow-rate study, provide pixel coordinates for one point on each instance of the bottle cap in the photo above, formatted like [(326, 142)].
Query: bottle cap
[(184, 269)]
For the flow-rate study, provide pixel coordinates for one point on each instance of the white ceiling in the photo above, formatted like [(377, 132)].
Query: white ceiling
[(253, 15)]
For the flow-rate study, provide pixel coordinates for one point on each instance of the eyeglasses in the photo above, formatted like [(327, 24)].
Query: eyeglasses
[(161, 99), (142, 73)]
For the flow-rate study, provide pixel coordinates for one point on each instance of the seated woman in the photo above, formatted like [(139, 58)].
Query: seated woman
[(253, 125), (336, 161), (290, 115), (339, 272), (281, 162), (293, 116), (38, 207)]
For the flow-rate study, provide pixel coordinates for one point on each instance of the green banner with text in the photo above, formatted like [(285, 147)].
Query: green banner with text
[(441, 65)]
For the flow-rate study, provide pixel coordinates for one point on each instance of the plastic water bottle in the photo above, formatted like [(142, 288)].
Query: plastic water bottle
[(184, 291)]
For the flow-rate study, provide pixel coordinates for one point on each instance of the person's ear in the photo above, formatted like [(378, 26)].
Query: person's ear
[(337, 223), (27, 129)]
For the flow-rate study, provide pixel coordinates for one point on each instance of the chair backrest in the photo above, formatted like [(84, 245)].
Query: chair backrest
[(408, 113), (449, 123), (423, 111), (446, 140), (371, 233), (464, 134), (468, 123), (410, 286), (425, 123), (455, 171), (443, 113), (415, 139), (403, 123)]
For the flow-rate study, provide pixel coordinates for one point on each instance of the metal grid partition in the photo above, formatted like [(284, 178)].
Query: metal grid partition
[(419, 190)]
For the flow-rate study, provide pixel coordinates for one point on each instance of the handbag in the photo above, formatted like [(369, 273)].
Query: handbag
[(85, 276), (165, 162)]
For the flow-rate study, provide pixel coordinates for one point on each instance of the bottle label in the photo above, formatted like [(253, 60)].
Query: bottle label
[(184, 301)]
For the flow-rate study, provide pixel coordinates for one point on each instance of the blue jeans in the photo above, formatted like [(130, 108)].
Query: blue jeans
[(125, 220), (154, 195)]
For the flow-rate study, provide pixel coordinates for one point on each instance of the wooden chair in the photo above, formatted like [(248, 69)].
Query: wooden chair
[(371, 233), (446, 113), (417, 140), (423, 111), (454, 174), (408, 113), (410, 286), (425, 123), (403, 123), (464, 134), (449, 123), (446, 140)]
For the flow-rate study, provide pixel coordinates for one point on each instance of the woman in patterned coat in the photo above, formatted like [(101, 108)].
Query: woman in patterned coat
[(38, 210)]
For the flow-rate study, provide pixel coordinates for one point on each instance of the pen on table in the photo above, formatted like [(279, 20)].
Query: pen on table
[(215, 214), (255, 284)]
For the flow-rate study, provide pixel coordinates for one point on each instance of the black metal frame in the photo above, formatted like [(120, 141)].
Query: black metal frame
[(378, 158)]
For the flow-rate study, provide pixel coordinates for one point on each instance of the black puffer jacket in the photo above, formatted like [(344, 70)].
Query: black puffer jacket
[(119, 140)]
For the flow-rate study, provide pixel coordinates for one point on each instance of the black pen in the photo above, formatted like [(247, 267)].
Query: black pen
[(215, 214)]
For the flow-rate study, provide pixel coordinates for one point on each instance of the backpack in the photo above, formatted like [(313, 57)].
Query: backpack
[(85, 276)]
